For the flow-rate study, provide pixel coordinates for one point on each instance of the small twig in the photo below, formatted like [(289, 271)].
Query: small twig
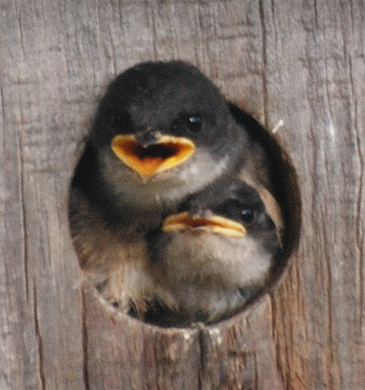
[(277, 126)]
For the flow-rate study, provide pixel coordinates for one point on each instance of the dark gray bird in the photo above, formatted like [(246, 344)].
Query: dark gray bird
[(215, 255), (162, 132)]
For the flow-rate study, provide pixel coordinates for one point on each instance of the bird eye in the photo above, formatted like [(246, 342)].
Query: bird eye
[(121, 121), (192, 123), (247, 216), (195, 123)]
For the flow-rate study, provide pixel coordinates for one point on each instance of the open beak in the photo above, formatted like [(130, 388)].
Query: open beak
[(166, 153), (214, 223)]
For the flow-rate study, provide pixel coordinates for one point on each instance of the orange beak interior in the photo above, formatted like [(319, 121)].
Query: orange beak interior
[(214, 223), (166, 154)]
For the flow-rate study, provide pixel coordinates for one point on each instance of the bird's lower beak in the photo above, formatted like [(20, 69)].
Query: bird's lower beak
[(214, 223), (166, 153)]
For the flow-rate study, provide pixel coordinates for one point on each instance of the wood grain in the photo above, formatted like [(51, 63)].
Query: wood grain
[(300, 62)]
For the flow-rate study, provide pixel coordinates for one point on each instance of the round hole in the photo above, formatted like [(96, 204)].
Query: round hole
[(118, 229)]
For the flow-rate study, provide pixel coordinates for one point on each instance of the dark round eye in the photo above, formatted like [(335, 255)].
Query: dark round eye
[(194, 123), (247, 216), (121, 121)]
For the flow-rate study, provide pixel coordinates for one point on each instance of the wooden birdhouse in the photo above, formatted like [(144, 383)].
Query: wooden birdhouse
[(298, 69)]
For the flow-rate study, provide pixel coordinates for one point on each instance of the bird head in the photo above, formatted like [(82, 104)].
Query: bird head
[(163, 123)]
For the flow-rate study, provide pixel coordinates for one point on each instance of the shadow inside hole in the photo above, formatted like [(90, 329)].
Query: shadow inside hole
[(285, 182)]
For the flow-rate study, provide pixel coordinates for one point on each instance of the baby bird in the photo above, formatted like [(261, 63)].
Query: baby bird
[(162, 132), (215, 255)]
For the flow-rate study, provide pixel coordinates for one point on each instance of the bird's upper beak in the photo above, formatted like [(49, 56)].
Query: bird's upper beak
[(211, 222), (148, 158)]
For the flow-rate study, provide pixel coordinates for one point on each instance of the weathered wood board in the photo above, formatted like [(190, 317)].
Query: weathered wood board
[(301, 62)]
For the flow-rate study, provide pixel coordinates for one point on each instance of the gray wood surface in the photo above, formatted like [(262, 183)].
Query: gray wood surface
[(302, 62)]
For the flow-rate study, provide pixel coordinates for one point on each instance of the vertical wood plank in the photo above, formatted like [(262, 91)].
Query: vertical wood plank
[(319, 331), (123, 353), (239, 353), (41, 318)]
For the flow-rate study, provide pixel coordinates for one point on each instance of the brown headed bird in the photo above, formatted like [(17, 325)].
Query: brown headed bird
[(214, 256)]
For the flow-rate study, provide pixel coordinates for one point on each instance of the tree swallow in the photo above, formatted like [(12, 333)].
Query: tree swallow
[(214, 256)]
